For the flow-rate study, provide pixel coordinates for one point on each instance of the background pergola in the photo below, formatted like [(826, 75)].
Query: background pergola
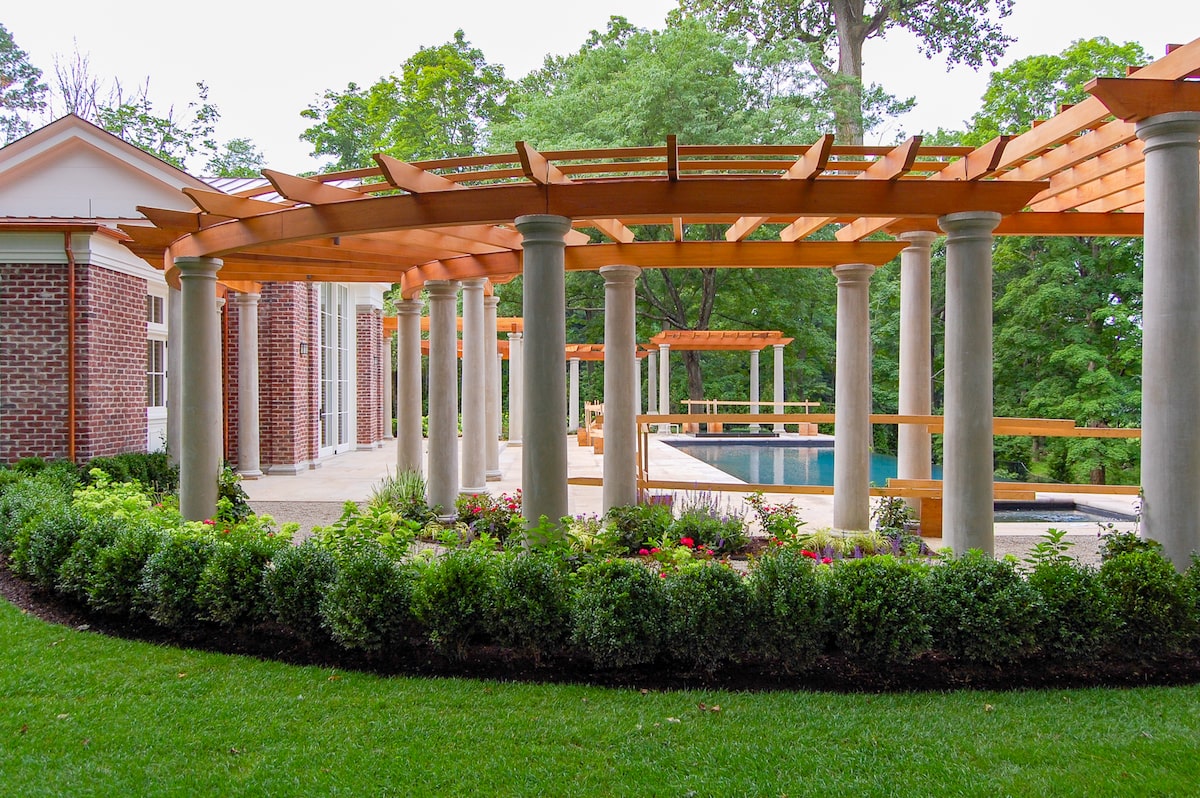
[(1083, 172)]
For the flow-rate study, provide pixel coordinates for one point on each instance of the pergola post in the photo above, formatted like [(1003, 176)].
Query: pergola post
[(174, 374), (637, 377), (620, 372), (492, 403), (544, 465), (200, 388), (852, 398), (443, 396), (754, 386), (664, 383), (968, 520), (474, 390), (409, 438), (1171, 334), (914, 447), (652, 382), (573, 397), (516, 404), (389, 382), (777, 386), (248, 426)]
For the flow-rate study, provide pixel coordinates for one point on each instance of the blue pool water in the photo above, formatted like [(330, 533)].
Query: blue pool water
[(776, 462)]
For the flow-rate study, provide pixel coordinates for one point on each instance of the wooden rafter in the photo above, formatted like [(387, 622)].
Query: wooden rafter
[(808, 167), (414, 179)]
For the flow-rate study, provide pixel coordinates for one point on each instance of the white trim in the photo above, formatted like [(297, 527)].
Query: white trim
[(92, 249)]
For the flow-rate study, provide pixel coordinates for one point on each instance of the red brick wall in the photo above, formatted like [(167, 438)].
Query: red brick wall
[(230, 324), (369, 364), (33, 361), (289, 391)]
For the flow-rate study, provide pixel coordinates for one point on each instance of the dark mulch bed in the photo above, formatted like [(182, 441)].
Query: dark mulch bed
[(831, 673)]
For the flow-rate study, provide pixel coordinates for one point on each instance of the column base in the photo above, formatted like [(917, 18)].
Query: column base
[(494, 476), (253, 473), (466, 491), (515, 443)]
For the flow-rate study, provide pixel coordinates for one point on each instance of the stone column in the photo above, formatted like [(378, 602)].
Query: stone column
[(777, 386), (200, 431), (637, 384), (409, 437), (754, 387), (1171, 335), (914, 450), (573, 397), (852, 398), (389, 381), (544, 465), (491, 438), (652, 382), (620, 372), (474, 390), (516, 405), (968, 520), (174, 374), (664, 383), (248, 426), (443, 396)]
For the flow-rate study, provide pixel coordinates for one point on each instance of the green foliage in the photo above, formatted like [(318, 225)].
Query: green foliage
[(377, 527), (294, 582), (706, 616), (172, 137), (153, 470), (891, 513), (171, 578), (50, 535), (237, 158), (781, 522), (787, 609), (878, 609), (116, 581), (368, 605), (617, 614), (981, 609), (1076, 612), (78, 570), (452, 598), (233, 505), (231, 589), (704, 521), (531, 604), (21, 89), (404, 493), (1153, 604), (637, 524), (484, 514), (21, 504), (1117, 543)]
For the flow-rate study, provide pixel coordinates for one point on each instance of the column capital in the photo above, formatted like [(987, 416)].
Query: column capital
[(619, 273), (474, 284), (247, 298), (1180, 129), (969, 224), (545, 227), (515, 336), (490, 300), (847, 273), (409, 307), (778, 347), (442, 289), (918, 238)]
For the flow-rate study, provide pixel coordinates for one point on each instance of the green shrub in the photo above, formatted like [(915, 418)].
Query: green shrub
[(981, 609), (78, 570), (51, 537), (876, 608), (490, 516), (1152, 603), (1115, 543), (706, 614), (21, 504), (8, 477), (152, 470), (368, 605), (405, 494), (116, 580), (231, 590), (233, 505), (617, 613), (638, 524), (1076, 615), (171, 578), (294, 583), (706, 522), (452, 597), (787, 609), (376, 528), (531, 604)]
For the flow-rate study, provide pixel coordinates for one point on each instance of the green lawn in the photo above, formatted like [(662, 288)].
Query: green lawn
[(81, 714)]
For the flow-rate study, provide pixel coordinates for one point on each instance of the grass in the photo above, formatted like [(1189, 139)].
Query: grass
[(81, 714)]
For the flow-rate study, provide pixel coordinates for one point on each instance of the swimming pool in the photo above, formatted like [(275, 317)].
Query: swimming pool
[(782, 462)]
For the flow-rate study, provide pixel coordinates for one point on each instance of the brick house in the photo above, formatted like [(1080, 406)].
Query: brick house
[(85, 325)]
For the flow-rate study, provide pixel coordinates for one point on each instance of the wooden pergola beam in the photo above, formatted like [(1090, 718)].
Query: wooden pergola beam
[(413, 179), (219, 204), (306, 190), (808, 167)]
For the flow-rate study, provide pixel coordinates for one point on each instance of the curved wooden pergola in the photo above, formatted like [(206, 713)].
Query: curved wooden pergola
[(1086, 171)]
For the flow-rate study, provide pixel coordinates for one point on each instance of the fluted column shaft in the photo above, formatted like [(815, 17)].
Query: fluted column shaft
[(248, 424), (443, 396), (620, 381), (968, 517), (544, 464), (200, 431), (852, 398), (409, 437)]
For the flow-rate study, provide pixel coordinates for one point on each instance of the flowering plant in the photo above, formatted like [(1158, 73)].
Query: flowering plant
[(781, 522), (498, 517), (671, 554)]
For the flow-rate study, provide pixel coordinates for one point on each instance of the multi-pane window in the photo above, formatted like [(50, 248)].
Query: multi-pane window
[(156, 350)]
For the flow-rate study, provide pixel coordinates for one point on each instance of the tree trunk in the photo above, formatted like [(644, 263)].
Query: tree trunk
[(691, 361)]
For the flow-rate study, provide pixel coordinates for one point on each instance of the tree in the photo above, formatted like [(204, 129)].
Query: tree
[(21, 89), (238, 158), (440, 105), (174, 137), (830, 34)]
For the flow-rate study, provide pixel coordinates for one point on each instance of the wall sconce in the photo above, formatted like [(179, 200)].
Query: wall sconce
[(304, 349)]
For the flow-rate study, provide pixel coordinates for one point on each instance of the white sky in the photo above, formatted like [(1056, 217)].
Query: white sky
[(264, 61)]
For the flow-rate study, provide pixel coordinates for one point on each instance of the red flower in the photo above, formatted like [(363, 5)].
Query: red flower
[(808, 553), (209, 521), (688, 542), (826, 560), (655, 550)]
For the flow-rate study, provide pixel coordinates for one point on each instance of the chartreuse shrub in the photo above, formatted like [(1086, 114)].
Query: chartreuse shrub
[(877, 609), (1152, 603), (368, 605), (24, 501), (531, 603), (452, 596), (981, 609), (788, 623), (706, 615), (294, 582), (617, 613)]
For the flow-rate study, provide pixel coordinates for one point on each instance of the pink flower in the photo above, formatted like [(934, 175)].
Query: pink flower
[(209, 522), (644, 552), (655, 550), (826, 560), (688, 542)]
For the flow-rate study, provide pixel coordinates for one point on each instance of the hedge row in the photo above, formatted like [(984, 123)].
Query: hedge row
[(109, 548)]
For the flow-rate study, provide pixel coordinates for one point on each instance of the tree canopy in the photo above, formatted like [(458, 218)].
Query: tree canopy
[(22, 91)]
